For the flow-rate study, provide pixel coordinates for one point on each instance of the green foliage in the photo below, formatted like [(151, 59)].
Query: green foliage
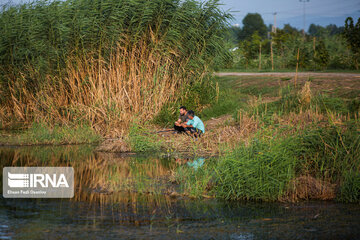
[(291, 30), (143, 139), (330, 152), (251, 47), (320, 31), (328, 104), (350, 187), (39, 37), (290, 101), (354, 107), (196, 182), (323, 48), (352, 34), (229, 99), (42, 133), (228, 103), (253, 22), (167, 115), (260, 171), (321, 55), (263, 169), (198, 94), (233, 34)]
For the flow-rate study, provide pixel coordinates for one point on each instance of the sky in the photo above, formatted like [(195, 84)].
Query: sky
[(320, 12)]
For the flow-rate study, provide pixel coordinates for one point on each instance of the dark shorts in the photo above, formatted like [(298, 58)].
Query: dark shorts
[(179, 129), (195, 130)]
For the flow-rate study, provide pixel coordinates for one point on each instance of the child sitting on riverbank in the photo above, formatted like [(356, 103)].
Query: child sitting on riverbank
[(194, 125)]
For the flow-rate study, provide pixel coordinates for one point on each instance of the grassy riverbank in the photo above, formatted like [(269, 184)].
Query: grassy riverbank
[(279, 142), (120, 70), (43, 134)]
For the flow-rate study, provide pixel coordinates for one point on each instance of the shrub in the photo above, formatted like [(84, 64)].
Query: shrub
[(260, 171)]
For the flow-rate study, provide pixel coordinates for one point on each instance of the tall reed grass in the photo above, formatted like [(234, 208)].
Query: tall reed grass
[(277, 168), (103, 61), (260, 171)]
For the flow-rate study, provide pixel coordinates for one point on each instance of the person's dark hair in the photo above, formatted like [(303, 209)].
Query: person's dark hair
[(191, 113), (183, 107)]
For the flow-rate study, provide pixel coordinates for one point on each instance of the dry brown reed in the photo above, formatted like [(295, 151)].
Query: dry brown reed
[(114, 145), (307, 187), (305, 94), (135, 83), (302, 119)]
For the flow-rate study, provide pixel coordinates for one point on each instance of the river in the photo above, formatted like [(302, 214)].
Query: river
[(125, 197)]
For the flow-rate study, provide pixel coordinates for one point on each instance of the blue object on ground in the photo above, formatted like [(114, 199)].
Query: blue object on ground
[(197, 163)]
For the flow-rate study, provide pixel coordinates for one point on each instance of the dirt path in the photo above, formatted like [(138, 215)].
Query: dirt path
[(288, 74)]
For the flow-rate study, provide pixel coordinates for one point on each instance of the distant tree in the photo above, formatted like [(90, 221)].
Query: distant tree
[(352, 35), (329, 30), (316, 30), (332, 29), (321, 55), (289, 29), (279, 39), (251, 46), (233, 34), (253, 22)]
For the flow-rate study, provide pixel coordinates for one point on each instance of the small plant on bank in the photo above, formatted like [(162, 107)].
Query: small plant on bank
[(141, 138)]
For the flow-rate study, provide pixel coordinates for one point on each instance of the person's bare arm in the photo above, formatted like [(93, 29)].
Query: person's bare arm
[(177, 123), (184, 125)]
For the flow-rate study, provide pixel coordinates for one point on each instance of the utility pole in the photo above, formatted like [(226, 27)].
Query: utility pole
[(304, 1), (271, 42), (260, 55), (274, 27)]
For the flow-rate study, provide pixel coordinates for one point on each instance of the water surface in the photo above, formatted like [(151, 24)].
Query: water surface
[(125, 197)]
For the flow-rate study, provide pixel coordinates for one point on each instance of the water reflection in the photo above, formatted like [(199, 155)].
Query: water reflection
[(97, 173), (122, 196)]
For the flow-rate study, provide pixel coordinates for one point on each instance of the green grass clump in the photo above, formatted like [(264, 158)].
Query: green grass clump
[(264, 169), (328, 153), (228, 103), (330, 104), (258, 90), (200, 94), (168, 114), (142, 139), (260, 171), (42, 133), (227, 100), (350, 187), (289, 102)]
